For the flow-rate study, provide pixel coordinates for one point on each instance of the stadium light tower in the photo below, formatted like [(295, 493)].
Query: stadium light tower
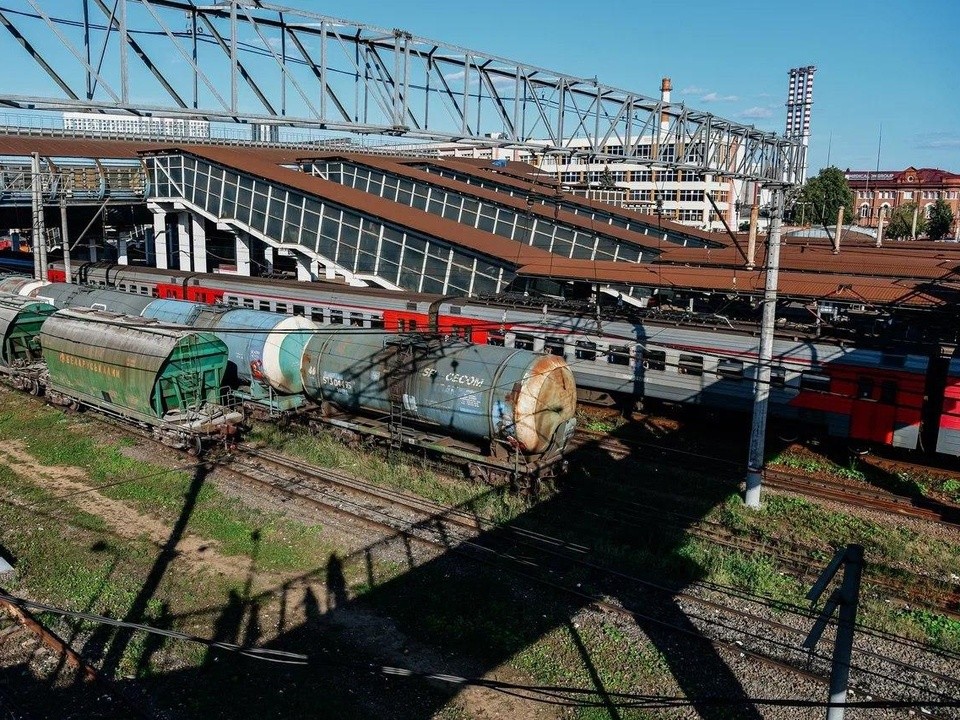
[(799, 102)]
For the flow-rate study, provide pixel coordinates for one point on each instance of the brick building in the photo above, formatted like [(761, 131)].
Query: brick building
[(878, 193)]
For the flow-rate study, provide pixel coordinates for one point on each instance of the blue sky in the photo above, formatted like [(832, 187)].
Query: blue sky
[(889, 63), (894, 63)]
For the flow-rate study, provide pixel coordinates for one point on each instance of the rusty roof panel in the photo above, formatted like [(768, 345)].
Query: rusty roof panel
[(840, 287)]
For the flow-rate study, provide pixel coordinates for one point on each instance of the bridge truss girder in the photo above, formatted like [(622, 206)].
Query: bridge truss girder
[(249, 61)]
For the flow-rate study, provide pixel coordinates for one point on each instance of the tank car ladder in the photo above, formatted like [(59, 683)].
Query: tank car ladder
[(399, 360)]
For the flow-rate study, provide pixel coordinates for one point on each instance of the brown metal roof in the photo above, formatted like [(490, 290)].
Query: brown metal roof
[(24, 145), (889, 261), (839, 287), (483, 169), (264, 163), (406, 167)]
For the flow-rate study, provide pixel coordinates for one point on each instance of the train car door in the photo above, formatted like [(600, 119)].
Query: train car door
[(870, 419)]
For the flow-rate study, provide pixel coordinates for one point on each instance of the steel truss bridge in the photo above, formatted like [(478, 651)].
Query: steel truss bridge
[(255, 62)]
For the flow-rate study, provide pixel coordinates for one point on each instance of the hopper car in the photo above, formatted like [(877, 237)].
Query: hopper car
[(166, 380)]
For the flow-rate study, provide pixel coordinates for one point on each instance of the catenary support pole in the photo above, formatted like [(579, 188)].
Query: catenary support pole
[(754, 219), (761, 392), (836, 236), (66, 238), (880, 231), (846, 623), (37, 212)]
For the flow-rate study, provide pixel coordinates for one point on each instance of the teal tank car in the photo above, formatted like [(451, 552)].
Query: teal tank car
[(165, 378), (522, 400)]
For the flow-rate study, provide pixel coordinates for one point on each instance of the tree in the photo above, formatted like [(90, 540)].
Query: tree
[(824, 194), (940, 220), (606, 180), (901, 222)]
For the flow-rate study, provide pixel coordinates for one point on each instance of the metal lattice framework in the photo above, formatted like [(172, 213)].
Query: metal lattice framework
[(249, 61)]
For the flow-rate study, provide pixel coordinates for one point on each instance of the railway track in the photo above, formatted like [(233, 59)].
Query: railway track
[(541, 559), (30, 643), (844, 492)]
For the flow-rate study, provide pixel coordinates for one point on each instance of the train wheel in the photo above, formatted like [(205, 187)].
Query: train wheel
[(34, 387), (195, 446), (478, 473)]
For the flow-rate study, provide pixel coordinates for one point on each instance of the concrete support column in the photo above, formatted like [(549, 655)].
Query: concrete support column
[(243, 254), (268, 258), (122, 251), (329, 273), (161, 257), (199, 234), (304, 267), (183, 240)]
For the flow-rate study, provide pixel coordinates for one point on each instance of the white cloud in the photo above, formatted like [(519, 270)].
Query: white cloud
[(716, 97), (691, 90), (939, 141), (756, 113)]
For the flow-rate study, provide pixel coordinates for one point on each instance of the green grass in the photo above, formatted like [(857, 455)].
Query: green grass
[(73, 558), (400, 471), (813, 464)]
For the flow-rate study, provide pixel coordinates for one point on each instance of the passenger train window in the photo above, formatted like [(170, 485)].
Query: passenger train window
[(248, 303), (316, 314), (690, 365), (281, 307), (523, 342), (462, 331), (654, 360), (554, 346), (377, 323), (264, 306), (778, 377), (888, 392), (356, 320), (619, 355), (810, 380), (496, 339), (586, 350), (143, 290), (865, 388), (336, 317), (299, 310), (123, 287), (732, 369)]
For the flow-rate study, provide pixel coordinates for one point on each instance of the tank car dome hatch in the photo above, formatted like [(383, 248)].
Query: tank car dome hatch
[(545, 403)]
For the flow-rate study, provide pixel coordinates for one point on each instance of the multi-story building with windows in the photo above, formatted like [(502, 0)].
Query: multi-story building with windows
[(877, 194), (116, 124)]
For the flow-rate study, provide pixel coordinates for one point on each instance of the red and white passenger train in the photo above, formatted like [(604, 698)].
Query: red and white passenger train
[(905, 399)]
